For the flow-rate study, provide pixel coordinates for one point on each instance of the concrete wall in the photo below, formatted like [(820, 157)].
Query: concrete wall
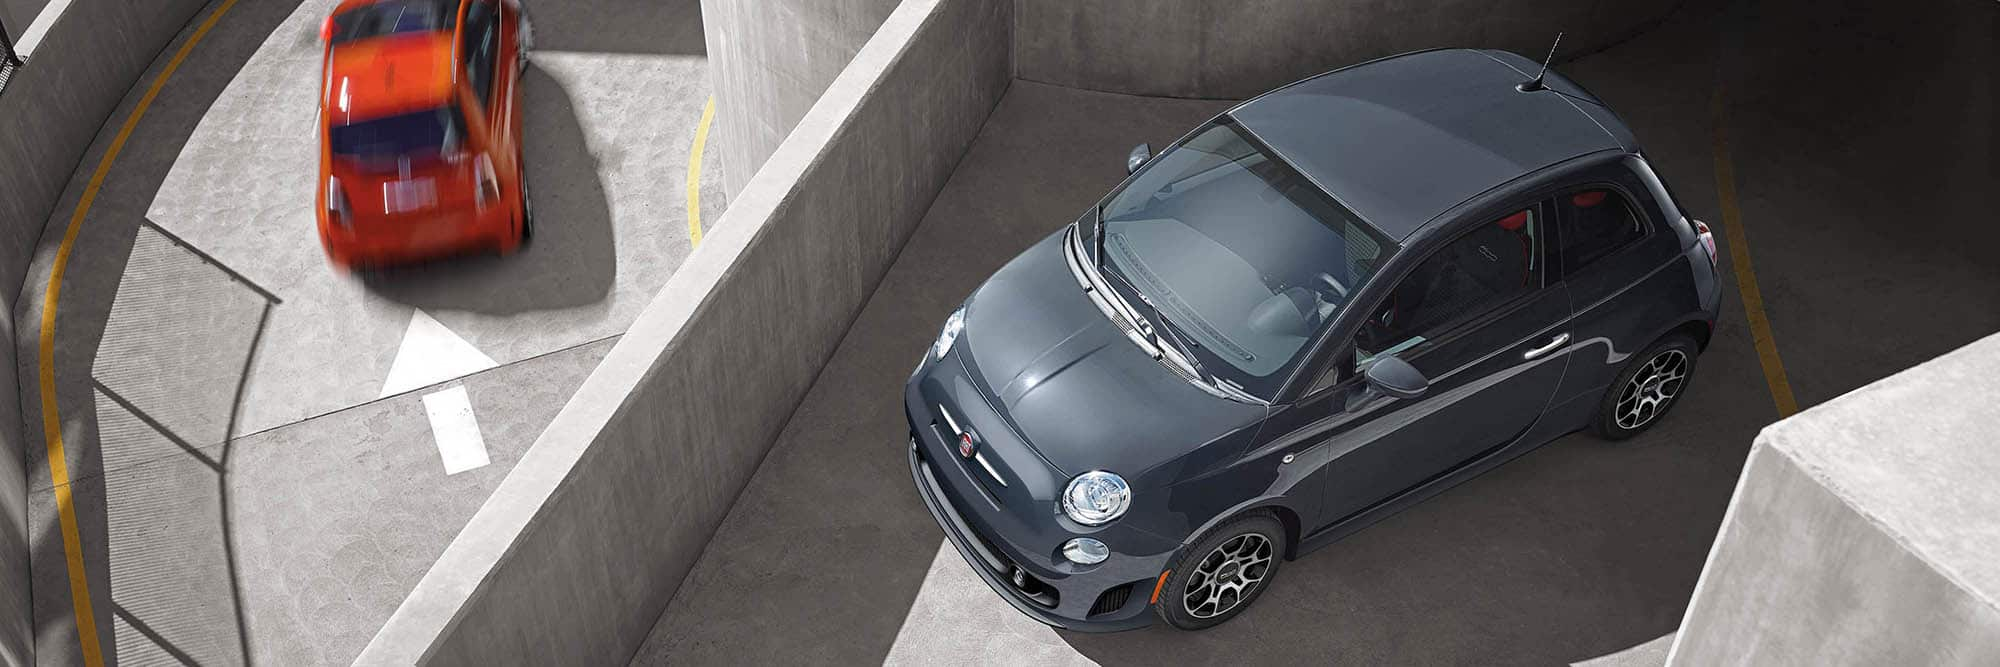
[(769, 60), (51, 111), (1234, 50), (1864, 531), (574, 557)]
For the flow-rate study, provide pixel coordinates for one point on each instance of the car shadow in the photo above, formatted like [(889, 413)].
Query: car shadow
[(572, 259)]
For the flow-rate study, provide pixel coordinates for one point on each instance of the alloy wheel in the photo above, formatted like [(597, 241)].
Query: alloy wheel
[(1227, 575), (1650, 390)]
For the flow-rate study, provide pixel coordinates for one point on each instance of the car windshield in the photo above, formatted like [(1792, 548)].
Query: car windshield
[(385, 141), (1239, 251), (391, 17)]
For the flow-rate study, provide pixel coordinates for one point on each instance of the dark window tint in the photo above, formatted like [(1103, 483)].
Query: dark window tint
[(393, 17), (1488, 266), (385, 140), (481, 41), (1595, 223)]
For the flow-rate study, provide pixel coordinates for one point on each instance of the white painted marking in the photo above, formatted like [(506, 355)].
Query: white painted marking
[(456, 430), (38, 28), (430, 354)]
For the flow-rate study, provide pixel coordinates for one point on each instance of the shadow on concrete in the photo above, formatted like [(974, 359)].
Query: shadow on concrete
[(572, 259), (650, 27)]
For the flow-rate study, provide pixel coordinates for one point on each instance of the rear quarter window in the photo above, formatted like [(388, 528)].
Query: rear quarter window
[(1595, 223)]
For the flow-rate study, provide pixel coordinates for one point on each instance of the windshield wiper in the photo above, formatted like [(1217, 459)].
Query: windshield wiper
[(1097, 242)]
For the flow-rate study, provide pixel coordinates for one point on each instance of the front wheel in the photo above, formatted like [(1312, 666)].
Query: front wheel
[(1646, 388), (1220, 576)]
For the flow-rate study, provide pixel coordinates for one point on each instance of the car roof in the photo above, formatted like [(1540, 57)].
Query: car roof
[(386, 76), (1403, 139)]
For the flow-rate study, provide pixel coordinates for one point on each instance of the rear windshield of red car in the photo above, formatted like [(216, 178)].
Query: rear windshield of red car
[(420, 135), (391, 17)]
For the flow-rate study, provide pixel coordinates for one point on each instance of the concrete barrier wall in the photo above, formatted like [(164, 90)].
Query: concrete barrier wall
[(1864, 531), (769, 60), (1233, 50), (50, 113), (574, 557)]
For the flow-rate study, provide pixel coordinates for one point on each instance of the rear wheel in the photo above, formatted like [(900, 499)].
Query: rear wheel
[(1649, 385), (1220, 576)]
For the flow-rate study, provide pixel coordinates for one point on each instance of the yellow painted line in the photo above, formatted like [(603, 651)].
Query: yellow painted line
[(694, 173), (79, 587), (1746, 277)]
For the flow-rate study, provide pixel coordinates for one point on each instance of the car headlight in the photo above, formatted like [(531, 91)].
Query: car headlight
[(953, 326), (1096, 497)]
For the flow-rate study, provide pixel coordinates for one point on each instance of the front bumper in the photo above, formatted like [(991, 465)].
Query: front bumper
[(1075, 596)]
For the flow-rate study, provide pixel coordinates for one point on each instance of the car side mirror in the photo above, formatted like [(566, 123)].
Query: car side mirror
[(1140, 155), (1397, 378)]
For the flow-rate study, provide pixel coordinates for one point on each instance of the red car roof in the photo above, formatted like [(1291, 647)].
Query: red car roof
[(385, 76)]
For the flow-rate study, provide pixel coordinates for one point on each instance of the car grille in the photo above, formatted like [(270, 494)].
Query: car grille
[(1111, 600)]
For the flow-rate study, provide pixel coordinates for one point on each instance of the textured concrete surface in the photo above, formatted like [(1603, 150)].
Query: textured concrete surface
[(1863, 531), (1197, 48), (287, 547), (17, 14), (1582, 552), (770, 61), (196, 296), (575, 555)]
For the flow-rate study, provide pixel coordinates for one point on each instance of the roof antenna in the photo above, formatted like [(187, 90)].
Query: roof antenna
[(1535, 84)]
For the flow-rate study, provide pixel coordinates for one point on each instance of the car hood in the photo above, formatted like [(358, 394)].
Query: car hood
[(1072, 385)]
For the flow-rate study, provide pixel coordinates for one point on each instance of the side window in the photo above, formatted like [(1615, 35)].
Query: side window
[(1595, 223), (1484, 268), (482, 41)]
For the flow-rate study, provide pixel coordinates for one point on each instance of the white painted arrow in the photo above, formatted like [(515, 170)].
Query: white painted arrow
[(430, 354)]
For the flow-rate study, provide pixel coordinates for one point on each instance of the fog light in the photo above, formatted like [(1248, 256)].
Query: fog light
[(1085, 551)]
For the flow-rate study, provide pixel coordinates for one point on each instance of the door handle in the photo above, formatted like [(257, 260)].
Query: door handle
[(1559, 340)]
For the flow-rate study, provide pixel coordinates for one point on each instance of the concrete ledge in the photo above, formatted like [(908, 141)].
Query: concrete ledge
[(1864, 530), (575, 555), (1234, 50)]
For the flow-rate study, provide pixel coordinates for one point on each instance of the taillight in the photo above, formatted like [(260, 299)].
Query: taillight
[(1707, 240), (337, 209), (489, 182)]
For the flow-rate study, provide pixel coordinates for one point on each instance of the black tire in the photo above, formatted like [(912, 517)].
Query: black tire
[(1649, 385), (1259, 536)]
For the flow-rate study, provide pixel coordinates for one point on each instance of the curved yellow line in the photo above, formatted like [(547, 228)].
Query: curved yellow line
[(1761, 337), (694, 173), (79, 586)]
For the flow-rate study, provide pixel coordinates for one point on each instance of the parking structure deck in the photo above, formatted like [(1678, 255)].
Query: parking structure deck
[(1580, 550)]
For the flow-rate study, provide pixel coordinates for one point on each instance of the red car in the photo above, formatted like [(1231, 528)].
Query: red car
[(420, 133)]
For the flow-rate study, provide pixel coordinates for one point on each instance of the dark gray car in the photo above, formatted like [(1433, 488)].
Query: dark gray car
[(1328, 303)]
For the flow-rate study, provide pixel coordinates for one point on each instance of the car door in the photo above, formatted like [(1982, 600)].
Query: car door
[(1615, 250), (1477, 319)]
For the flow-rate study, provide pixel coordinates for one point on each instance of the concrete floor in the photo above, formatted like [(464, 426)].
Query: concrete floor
[(251, 485), (1863, 144)]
